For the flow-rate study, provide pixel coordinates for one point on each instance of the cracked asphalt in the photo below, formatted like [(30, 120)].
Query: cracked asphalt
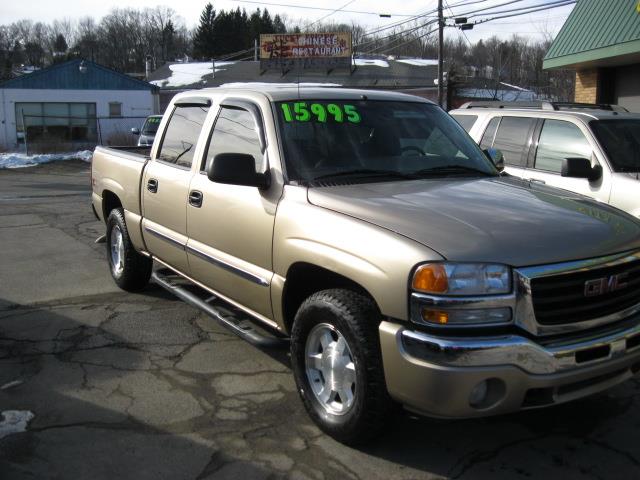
[(144, 386)]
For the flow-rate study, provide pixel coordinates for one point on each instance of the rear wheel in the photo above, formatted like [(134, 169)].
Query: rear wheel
[(130, 270), (337, 364)]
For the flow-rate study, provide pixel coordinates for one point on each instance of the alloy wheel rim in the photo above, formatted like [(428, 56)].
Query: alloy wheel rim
[(117, 251), (330, 369)]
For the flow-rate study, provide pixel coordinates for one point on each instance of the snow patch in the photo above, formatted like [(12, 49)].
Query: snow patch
[(189, 73), (360, 62), (277, 85), (21, 160), (419, 62), (14, 421)]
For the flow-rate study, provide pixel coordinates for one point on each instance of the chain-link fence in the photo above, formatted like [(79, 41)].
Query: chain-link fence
[(53, 134)]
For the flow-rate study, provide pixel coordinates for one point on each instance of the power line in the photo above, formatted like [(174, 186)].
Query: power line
[(465, 14), (541, 5), (463, 32), (566, 2), (335, 11), (302, 7)]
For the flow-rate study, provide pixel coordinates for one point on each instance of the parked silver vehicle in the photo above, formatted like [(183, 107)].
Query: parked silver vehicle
[(593, 150), (148, 132)]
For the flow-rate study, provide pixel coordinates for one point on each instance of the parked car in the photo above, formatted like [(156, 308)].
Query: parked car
[(371, 233), (148, 132), (589, 149)]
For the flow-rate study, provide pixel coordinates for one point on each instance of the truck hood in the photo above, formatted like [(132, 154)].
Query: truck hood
[(502, 219)]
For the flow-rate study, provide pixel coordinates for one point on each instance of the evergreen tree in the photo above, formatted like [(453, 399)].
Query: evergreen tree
[(204, 44), (60, 44)]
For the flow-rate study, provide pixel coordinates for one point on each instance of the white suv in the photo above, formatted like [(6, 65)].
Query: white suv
[(589, 149)]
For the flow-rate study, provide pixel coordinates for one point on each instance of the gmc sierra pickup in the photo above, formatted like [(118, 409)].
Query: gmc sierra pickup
[(371, 232)]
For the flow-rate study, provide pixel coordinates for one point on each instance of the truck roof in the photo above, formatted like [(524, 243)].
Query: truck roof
[(284, 92)]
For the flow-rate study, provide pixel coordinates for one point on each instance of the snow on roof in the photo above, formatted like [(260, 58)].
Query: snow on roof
[(189, 73), (367, 61), (283, 85), (418, 62), (515, 87)]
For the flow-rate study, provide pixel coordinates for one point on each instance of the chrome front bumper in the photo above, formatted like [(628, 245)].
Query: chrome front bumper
[(435, 375)]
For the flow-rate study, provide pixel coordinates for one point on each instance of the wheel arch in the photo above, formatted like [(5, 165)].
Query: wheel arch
[(303, 279), (110, 201)]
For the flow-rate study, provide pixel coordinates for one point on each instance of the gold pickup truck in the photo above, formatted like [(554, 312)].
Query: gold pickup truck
[(369, 231)]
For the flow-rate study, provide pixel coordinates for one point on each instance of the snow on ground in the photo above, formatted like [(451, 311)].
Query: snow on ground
[(418, 62), (274, 84), (189, 73), (14, 421), (366, 61), (19, 160)]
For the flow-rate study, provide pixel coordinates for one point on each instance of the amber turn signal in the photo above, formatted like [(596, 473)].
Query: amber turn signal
[(431, 278), (435, 316)]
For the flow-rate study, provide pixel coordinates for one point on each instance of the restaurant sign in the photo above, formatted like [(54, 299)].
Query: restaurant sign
[(305, 50)]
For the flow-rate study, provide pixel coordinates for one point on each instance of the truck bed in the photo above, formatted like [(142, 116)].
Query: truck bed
[(119, 170)]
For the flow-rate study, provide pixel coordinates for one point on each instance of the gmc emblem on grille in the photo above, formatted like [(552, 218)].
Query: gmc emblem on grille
[(600, 286)]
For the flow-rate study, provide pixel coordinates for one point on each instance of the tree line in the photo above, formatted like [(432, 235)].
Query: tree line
[(124, 38)]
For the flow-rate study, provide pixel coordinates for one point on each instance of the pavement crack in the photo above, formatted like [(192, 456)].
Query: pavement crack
[(476, 457)]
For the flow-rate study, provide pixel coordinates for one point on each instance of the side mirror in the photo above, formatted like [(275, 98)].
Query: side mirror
[(237, 169), (496, 157), (135, 131), (580, 168)]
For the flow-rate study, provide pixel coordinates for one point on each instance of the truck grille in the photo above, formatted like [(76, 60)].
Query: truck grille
[(561, 299)]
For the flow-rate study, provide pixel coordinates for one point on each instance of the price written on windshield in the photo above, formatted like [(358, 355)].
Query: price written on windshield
[(319, 112)]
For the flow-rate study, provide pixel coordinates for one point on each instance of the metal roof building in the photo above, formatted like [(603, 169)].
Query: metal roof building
[(72, 105), (601, 41)]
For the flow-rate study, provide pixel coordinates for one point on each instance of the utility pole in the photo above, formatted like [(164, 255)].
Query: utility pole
[(440, 52)]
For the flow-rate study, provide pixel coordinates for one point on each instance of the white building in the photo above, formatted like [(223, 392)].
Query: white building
[(72, 105)]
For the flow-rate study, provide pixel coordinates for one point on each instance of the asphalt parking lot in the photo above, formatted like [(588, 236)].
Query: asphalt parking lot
[(114, 385)]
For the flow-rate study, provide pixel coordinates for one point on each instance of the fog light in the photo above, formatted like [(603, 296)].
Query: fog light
[(479, 394)]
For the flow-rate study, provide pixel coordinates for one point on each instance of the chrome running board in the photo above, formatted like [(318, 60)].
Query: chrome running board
[(242, 327)]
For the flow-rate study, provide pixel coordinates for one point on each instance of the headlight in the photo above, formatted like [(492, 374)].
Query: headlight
[(462, 279)]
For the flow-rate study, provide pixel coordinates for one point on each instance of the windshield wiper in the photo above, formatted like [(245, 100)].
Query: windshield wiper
[(364, 172), (449, 169)]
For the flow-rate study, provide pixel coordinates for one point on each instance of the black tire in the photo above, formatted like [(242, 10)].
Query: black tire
[(356, 317), (135, 272)]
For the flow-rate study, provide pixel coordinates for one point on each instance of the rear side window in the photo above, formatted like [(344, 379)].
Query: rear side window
[(512, 138), (235, 132), (181, 136), (466, 121), (559, 140), (490, 133)]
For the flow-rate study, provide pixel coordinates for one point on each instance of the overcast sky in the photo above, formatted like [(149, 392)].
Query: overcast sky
[(533, 25)]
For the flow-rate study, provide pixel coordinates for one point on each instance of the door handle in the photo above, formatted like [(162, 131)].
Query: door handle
[(537, 180), (195, 198), (152, 185)]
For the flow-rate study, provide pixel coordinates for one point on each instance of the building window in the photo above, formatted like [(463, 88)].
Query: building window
[(115, 109)]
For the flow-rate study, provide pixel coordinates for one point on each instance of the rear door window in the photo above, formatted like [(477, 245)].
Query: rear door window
[(181, 136), (559, 140), (466, 121), (512, 138)]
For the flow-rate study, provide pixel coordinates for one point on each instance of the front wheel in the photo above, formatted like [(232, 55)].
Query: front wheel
[(337, 364), (130, 270)]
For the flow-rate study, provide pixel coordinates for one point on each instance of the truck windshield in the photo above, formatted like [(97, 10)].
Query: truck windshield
[(373, 141), (151, 125), (620, 139)]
